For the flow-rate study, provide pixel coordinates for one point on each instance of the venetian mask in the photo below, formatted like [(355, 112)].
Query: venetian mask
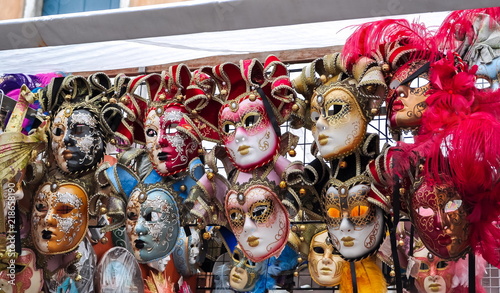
[(440, 218), (406, 100), (339, 126), (247, 133), (244, 273), (77, 143), (25, 276), (355, 225), (170, 151), (258, 220), (488, 75), (59, 217), (435, 274), (152, 223), (325, 263), (187, 254)]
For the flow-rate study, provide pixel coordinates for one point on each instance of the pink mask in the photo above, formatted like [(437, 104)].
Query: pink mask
[(435, 274), (247, 133), (258, 220), (170, 151), (27, 277)]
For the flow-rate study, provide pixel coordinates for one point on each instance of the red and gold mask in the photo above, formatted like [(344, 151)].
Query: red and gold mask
[(435, 274), (440, 218)]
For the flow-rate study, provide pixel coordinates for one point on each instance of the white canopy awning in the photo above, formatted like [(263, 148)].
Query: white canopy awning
[(160, 34)]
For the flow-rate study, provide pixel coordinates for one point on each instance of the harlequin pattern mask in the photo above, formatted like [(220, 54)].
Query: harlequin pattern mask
[(244, 272), (77, 142), (406, 99), (247, 133), (339, 126), (170, 151), (355, 225), (28, 279), (59, 217), (325, 263), (258, 220), (152, 223), (440, 218), (435, 274)]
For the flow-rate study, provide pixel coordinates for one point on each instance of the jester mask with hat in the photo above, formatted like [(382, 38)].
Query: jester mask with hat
[(154, 205), (340, 104), (253, 100)]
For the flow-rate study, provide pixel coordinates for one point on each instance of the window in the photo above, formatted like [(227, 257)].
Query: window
[(51, 7)]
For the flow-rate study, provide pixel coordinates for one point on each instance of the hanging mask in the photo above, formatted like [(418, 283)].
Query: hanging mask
[(440, 218), (408, 92), (189, 252), (488, 75), (169, 150), (27, 278), (244, 273), (152, 223), (435, 274), (59, 217), (355, 224), (77, 141), (118, 271), (258, 220), (325, 263), (247, 133), (339, 126)]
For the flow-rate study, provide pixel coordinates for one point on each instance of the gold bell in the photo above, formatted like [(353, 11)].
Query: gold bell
[(103, 210), (421, 167), (207, 236), (201, 152), (323, 78), (78, 255), (385, 67), (374, 111), (343, 165), (392, 273), (371, 88), (294, 228), (104, 240), (104, 100), (210, 175), (299, 259), (124, 100), (183, 188), (295, 274), (194, 112), (112, 141), (301, 238), (401, 243), (292, 153), (162, 97), (295, 107), (252, 97), (302, 191), (302, 227), (67, 97), (112, 101), (282, 184), (223, 92), (179, 98), (402, 191), (78, 278)]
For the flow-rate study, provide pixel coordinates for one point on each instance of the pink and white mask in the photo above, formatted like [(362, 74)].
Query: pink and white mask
[(258, 220), (435, 274), (170, 151), (247, 133), (28, 279)]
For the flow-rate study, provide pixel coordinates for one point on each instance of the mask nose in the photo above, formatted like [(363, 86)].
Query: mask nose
[(249, 226), (240, 135)]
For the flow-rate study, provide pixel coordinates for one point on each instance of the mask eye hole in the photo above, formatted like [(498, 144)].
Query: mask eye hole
[(132, 216), (172, 128), (334, 213), (425, 212), (424, 267), (442, 265), (251, 120), (229, 127), (318, 250), (236, 217), (63, 209), (452, 206), (41, 207), (80, 129), (335, 109), (261, 211), (359, 211), (418, 82), (151, 132), (482, 82), (250, 263)]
